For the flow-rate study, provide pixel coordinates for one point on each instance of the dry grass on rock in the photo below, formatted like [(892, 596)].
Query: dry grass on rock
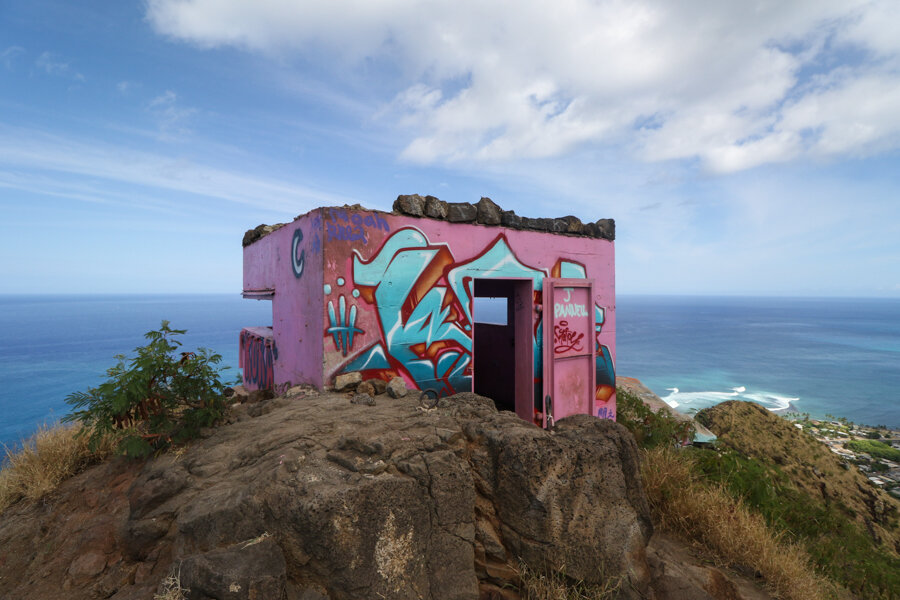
[(171, 589), (536, 585), (709, 517), (50, 456)]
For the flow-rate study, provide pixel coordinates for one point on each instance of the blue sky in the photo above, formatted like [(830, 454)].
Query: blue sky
[(743, 148)]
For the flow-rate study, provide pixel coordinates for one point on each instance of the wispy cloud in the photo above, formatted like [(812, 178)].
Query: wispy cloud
[(124, 87), (9, 55), (51, 161), (171, 117), (735, 85), (56, 66)]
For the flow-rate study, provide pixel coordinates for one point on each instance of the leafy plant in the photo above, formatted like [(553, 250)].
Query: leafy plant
[(157, 398), (650, 429)]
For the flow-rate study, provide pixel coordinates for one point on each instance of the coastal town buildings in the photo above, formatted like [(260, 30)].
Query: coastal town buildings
[(839, 437)]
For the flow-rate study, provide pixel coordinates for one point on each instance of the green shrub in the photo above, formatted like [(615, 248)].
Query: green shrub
[(875, 449), (155, 399), (650, 429)]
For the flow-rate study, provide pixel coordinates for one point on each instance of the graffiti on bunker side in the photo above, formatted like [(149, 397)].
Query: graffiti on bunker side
[(258, 354), (297, 260), (342, 324), (566, 339), (345, 226), (425, 314)]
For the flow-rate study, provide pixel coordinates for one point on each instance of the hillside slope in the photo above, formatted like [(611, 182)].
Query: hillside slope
[(811, 466), (849, 526)]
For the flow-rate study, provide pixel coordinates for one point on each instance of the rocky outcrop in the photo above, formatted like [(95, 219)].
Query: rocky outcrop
[(318, 497)]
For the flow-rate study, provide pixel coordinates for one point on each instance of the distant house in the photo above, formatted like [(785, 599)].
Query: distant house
[(471, 298)]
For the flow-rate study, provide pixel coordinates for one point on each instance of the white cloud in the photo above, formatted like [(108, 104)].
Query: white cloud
[(726, 82), (56, 66), (858, 116)]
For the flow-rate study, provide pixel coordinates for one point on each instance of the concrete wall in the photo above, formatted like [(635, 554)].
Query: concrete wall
[(289, 262), (398, 295), (390, 295)]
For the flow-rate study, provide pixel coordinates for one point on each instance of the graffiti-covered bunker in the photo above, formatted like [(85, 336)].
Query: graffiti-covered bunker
[(452, 297)]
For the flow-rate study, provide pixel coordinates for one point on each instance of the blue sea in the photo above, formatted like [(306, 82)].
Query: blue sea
[(821, 356), (51, 346)]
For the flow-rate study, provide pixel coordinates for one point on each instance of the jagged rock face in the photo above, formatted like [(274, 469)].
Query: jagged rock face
[(321, 498)]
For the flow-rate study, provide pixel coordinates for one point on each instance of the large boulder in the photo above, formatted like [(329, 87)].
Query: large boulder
[(316, 497)]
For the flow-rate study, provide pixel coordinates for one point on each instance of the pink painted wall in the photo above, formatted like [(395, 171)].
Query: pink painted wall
[(289, 261), (401, 290), (392, 295)]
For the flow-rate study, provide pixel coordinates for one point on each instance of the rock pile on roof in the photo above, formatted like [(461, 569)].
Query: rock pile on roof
[(483, 212), (486, 212)]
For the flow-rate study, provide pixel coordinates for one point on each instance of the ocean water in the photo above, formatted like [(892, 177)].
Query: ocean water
[(51, 346), (818, 356)]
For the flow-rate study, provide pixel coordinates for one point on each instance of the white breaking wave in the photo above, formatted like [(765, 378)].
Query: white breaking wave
[(694, 401), (772, 401), (668, 399)]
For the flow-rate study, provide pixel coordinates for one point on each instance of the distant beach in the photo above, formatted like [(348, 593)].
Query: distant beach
[(817, 356)]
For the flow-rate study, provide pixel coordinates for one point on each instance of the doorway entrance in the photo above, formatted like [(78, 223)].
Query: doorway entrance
[(569, 348), (503, 344)]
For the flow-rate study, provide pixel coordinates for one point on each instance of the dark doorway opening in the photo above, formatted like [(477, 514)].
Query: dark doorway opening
[(503, 343)]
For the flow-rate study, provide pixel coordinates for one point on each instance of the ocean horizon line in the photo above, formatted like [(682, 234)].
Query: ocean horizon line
[(23, 295)]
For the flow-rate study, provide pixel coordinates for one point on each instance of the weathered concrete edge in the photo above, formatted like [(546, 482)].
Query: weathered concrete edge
[(484, 212)]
